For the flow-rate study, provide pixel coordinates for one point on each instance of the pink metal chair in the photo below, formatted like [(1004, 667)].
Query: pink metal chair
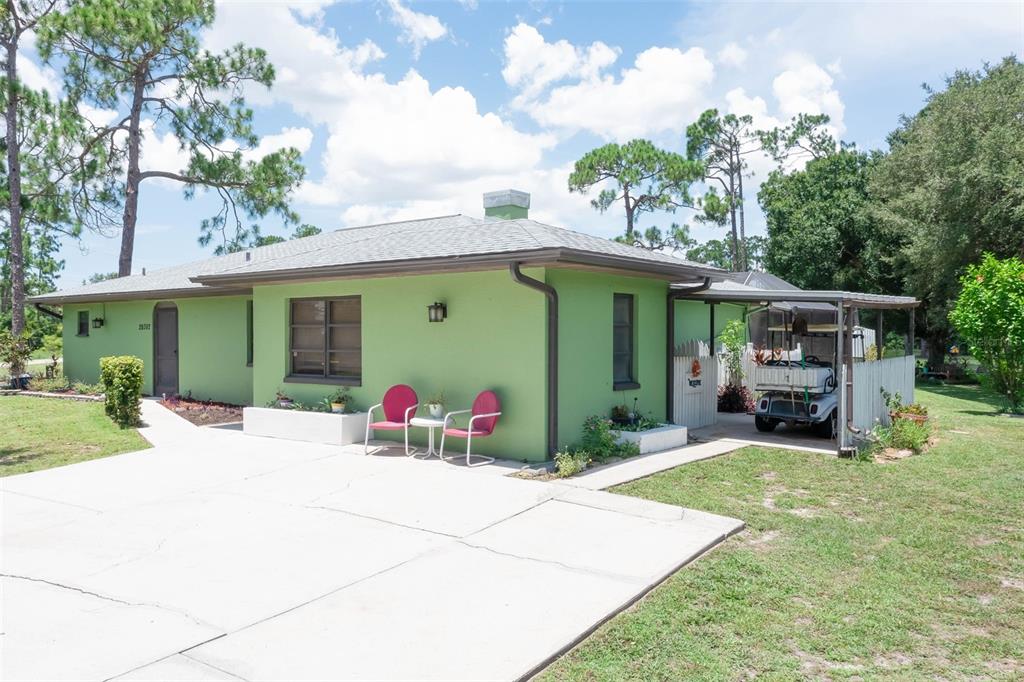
[(486, 410), (399, 404)]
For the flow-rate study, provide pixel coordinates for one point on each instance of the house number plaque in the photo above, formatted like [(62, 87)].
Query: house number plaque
[(145, 326)]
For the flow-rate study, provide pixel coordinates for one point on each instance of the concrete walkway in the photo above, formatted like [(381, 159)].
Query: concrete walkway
[(220, 556)]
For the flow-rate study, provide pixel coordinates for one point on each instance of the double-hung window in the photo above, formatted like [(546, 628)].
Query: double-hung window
[(325, 340), (623, 351)]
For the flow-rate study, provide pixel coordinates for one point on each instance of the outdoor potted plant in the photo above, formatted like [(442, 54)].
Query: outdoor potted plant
[(435, 404), (914, 412), (897, 410), (283, 401), (340, 400)]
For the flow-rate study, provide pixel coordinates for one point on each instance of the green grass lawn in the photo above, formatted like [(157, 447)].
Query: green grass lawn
[(39, 433), (908, 570)]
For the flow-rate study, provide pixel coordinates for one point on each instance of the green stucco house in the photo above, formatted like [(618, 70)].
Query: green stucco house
[(559, 323)]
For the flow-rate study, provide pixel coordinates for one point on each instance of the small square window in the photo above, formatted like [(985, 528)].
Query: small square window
[(83, 323)]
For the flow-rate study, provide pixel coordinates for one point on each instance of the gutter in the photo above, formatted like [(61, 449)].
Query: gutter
[(670, 334), (552, 349), (139, 295), (410, 266), (46, 311)]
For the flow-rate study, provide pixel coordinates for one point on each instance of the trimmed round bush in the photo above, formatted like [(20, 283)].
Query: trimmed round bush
[(121, 376)]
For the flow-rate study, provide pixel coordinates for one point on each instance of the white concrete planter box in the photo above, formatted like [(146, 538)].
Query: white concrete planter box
[(312, 427), (665, 437)]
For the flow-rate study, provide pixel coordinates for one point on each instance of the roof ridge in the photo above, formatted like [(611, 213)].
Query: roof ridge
[(313, 238), (349, 243), (647, 252), (520, 223)]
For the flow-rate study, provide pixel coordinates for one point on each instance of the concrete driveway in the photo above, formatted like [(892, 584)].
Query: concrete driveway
[(219, 556)]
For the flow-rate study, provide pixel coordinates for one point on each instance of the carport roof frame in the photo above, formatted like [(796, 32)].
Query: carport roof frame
[(849, 299)]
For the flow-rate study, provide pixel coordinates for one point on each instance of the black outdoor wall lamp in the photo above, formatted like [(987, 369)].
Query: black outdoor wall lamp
[(437, 312), (97, 322)]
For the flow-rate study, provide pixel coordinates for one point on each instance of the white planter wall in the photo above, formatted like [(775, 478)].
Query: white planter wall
[(311, 427), (664, 437)]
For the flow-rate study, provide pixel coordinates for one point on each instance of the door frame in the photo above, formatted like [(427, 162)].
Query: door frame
[(166, 305)]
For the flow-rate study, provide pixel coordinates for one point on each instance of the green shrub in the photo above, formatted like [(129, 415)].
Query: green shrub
[(989, 316), (601, 443), (904, 434), (15, 351), (569, 462), (121, 377), (87, 389), (733, 338), (54, 385)]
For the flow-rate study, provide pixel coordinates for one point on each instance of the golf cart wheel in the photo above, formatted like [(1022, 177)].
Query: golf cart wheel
[(826, 428), (765, 424)]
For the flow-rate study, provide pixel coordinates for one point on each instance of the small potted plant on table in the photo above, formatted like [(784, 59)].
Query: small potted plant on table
[(435, 404)]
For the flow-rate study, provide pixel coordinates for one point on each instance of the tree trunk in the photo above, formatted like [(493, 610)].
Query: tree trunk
[(732, 217), (17, 255), (133, 179), (936, 350), (629, 217), (739, 207)]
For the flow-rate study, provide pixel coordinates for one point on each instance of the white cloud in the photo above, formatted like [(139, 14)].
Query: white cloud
[(664, 90), (807, 88), (532, 64), (417, 28), (162, 151), (387, 140), (738, 102), (732, 55), (31, 70), (300, 138), (550, 202), (401, 139)]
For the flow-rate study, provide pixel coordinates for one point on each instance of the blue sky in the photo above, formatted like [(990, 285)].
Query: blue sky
[(407, 109)]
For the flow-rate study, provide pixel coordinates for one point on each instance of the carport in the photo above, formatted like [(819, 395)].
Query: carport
[(859, 404)]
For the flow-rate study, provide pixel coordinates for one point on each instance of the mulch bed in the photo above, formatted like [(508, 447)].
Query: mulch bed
[(204, 412)]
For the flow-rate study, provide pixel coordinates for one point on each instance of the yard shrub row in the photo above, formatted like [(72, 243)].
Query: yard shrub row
[(121, 376)]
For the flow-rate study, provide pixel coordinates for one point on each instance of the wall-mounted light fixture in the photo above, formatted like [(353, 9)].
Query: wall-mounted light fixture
[(97, 322), (437, 312)]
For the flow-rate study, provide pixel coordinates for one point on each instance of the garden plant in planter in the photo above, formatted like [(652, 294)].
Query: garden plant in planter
[(340, 400)]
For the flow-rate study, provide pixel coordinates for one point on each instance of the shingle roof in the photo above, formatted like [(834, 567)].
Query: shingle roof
[(431, 242)]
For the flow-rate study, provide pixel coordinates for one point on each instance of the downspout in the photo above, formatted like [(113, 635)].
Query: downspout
[(670, 340), (552, 349), (849, 372), (46, 311)]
